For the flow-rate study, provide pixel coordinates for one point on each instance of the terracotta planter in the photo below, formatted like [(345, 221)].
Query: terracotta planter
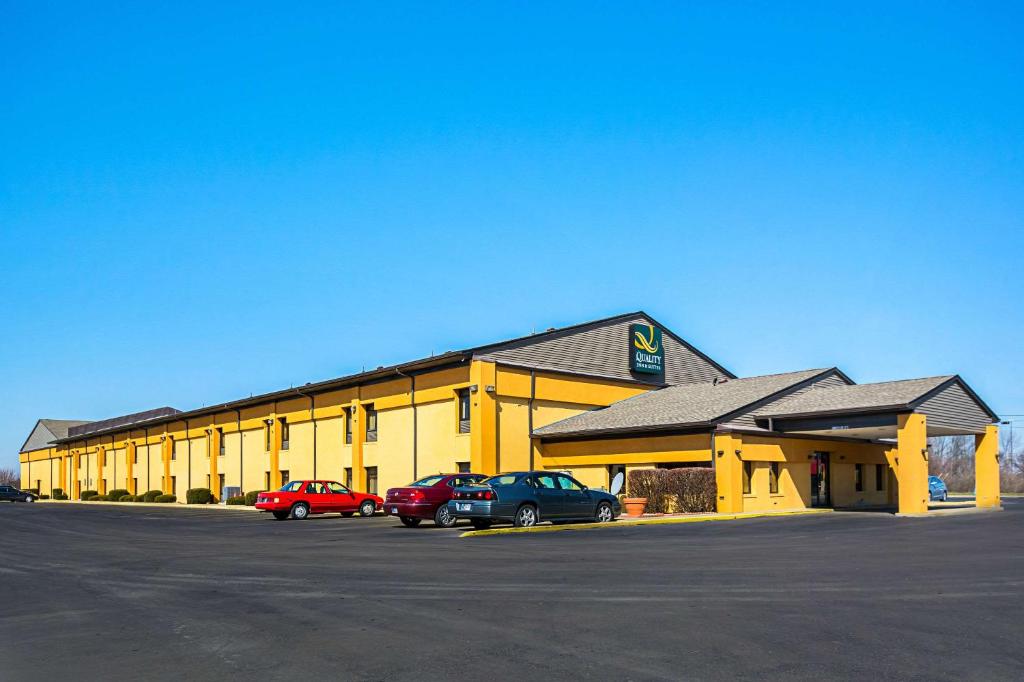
[(635, 505)]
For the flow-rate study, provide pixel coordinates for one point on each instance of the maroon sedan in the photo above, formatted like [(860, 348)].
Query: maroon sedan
[(427, 498)]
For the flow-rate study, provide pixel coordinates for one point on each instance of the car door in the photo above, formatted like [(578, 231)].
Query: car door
[(319, 497), (342, 499), (577, 502), (550, 498)]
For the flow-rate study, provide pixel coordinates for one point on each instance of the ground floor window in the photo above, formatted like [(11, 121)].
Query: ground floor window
[(220, 484), (174, 485), (879, 477), (285, 476), (266, 480), (135, 486), (747, 474), (348, 477), (858, 477), (463, 467), (613, 471), (371, 480), (773, 478)]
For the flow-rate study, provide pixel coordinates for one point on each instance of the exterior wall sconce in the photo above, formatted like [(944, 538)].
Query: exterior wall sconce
[(474, 388), (489, 388), (721, 452)]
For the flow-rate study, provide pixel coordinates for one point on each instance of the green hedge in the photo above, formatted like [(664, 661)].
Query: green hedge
[(151, 495), (44, 497), (166, 498), (60, 496), (57, 491), (126, 498), (98, 498), (237, 499), (250, 498), (87, 494), (116, 494), (198, 496)]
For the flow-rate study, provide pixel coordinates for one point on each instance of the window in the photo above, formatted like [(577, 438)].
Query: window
[(208, 481), (371, 480), (567, 483), (221, 447), (316, 488), (746, 477), (546, 481), (285, 433), (220, 485), (266, 480), (292, 487), (879, 477), (284, 476), (135, 486), (208, 446), (858, 477), (427, 482), (337, 488), (135, 456), (463, 395), (371, 424), (174, 485), (459, 481), (266, 436), (613, 471), (174, 450), (504, 479), (348, 426), (773, 478), (463, 467), (348, 477)]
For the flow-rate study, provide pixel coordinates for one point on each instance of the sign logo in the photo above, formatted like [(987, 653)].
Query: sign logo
[(646, 354)]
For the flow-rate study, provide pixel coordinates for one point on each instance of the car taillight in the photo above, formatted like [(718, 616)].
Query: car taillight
[(484, 495), (416, 495)]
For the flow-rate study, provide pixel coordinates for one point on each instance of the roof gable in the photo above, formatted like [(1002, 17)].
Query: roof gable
[(47, 430), (601, 349)]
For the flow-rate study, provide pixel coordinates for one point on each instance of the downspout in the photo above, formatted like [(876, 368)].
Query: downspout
[(149, 461), (189, 455), (115, 461), (529, 412), (415, 437), (312, 418), (241, 451)]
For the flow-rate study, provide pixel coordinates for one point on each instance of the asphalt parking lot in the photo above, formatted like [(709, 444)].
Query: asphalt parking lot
[(122, 593)]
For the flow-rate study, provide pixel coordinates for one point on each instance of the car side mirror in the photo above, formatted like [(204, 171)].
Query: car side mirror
[(585, 489)]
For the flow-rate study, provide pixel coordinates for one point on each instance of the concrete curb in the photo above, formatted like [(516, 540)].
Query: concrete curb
[(643, 522), (160, 505), (953, 511)]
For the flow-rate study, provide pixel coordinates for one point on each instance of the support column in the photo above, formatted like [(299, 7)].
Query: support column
[(63, 468), (166, 447), (358, 413), (483, 418), (129, 464), (275, 452), (728, 472), (101, 462), (986, 468), (75, 493), (912, 463), (213, 443)]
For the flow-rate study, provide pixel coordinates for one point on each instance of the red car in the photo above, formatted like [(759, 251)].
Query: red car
[(299, 499), (427, 498)]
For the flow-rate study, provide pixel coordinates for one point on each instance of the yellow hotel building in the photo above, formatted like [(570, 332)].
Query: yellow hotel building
[(593, 399)]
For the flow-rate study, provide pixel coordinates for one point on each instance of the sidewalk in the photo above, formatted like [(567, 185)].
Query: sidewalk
[(161, 505)]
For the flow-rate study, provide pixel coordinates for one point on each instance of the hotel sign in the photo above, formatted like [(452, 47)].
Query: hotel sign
[(646, 352)]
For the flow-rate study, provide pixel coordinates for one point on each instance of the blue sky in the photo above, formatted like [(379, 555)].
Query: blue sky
[(202, 202)]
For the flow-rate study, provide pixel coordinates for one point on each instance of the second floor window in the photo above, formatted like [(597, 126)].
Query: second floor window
[(464, 419), (371, 424), (266, 436), (348, 426), (285, 433), (222, 448)]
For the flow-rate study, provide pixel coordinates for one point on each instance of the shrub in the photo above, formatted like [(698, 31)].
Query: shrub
[(88, 494), (98, 498), (57, 491), (116, 494), (691, 489), (166, 498), (198, 496), (44, 497), (250, 498), (34, 491), (649, 483), (237, 499), (151, 495), (126, 498), (62, 496)]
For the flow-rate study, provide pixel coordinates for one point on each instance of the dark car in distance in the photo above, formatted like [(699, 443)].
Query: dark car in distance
[(427, 498), (8, 493), (528, 497)]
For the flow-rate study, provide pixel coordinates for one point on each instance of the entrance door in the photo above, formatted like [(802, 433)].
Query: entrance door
[(821, 488)]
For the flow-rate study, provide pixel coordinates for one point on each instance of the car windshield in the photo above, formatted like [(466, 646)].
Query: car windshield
[(427, 482), (290, 487), (501, 479)]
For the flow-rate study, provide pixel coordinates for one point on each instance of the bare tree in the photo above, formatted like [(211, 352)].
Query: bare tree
[(9, 476)]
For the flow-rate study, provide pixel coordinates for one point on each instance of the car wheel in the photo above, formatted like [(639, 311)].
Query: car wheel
[(300, 511), (409, 522), (944, 496), (443, 517), (280, 515), (604, 513), (29, 498), (526, 516), (367, 508), (480, 524)]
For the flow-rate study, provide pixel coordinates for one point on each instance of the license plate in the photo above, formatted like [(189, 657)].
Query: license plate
[(394, 510), (464, 506)]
